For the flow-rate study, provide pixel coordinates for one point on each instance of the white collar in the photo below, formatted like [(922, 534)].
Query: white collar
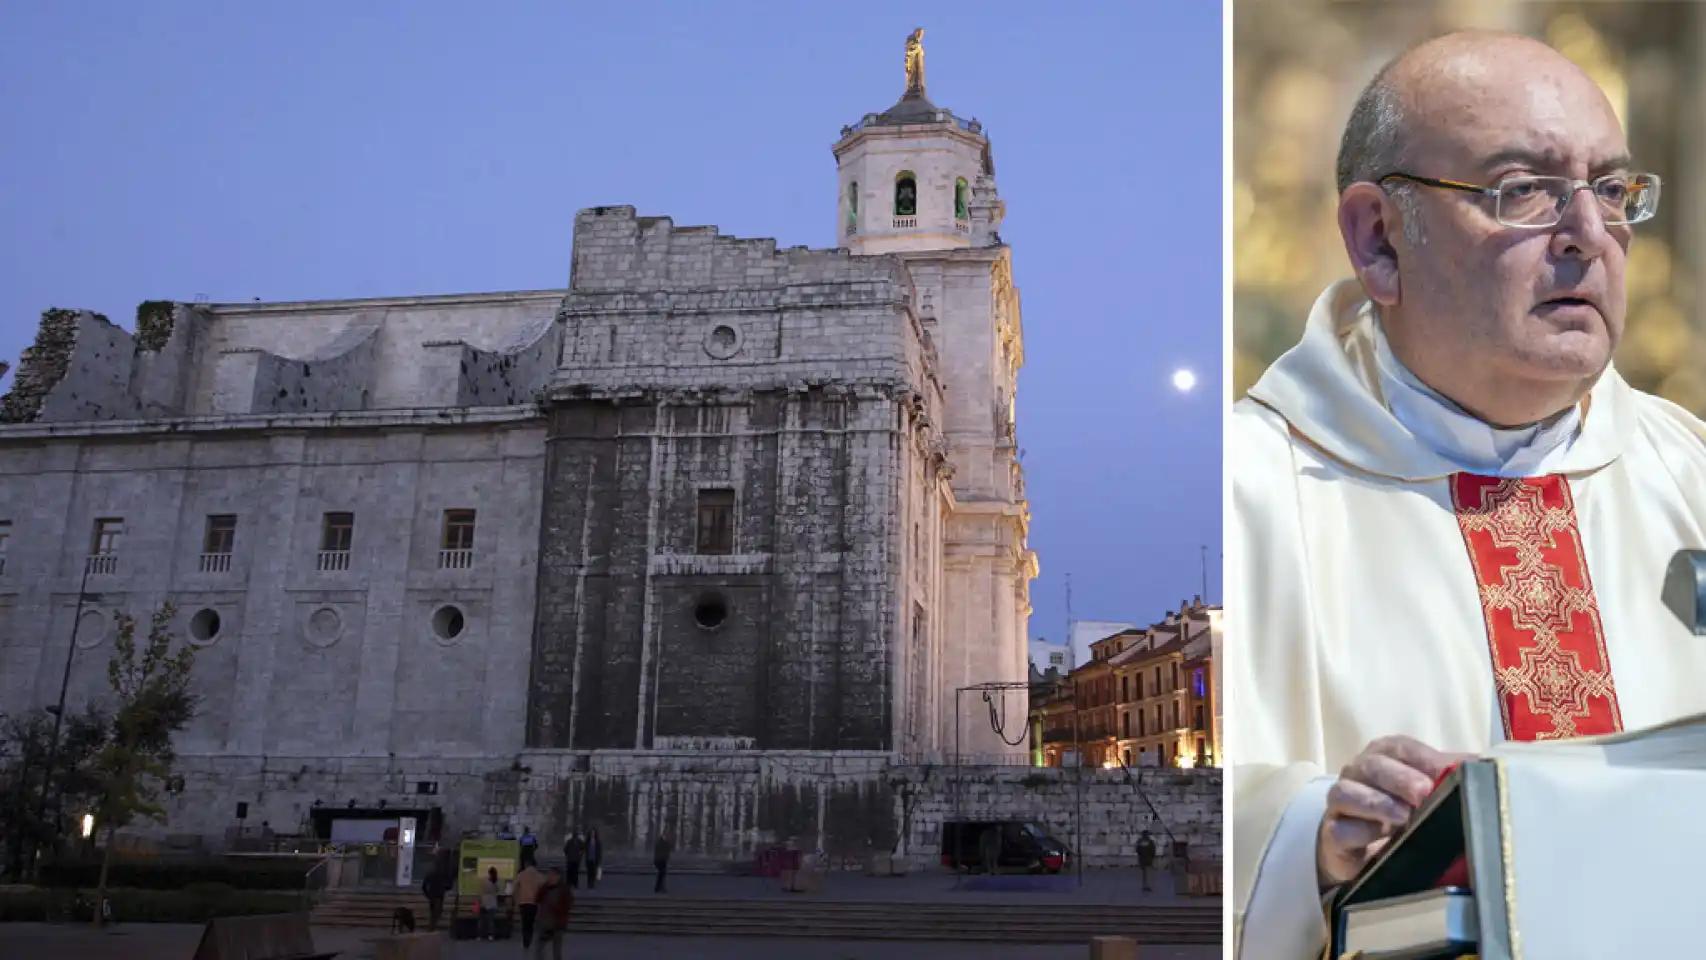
[(1328, 389), (1462, 438)]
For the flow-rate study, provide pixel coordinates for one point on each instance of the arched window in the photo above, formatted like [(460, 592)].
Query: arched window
[(962, 199), (853, 207), (906, 194)]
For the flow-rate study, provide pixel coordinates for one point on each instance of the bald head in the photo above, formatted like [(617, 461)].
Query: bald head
[(1513, 322), (1450, 80)]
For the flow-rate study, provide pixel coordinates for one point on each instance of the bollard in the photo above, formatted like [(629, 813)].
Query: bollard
[(1113, 948)]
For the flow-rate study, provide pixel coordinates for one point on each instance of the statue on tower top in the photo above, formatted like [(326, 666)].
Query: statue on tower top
[(915, 63)]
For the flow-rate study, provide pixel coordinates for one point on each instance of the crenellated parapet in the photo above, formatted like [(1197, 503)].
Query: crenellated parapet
[(652, 305)]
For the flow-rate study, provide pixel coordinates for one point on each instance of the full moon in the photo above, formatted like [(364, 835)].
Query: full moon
[(1184, 380)]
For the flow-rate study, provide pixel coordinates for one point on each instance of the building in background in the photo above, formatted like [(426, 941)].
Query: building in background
[(1147, 697), (1046, 656), (712, 498), (1083, 633)]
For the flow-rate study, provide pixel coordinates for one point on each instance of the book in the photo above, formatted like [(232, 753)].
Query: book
[(1431, 925), (1584, 847)]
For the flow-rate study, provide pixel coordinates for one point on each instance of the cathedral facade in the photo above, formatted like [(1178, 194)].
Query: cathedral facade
[(714, 499)]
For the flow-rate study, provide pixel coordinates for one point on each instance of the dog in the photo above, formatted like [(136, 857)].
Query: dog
[(402, 920)]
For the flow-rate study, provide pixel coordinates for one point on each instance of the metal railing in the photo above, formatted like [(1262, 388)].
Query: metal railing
[(332, 560), (905, 223), (962, 226), (314, 881), (216, 563), (455, 559), (101, 563)]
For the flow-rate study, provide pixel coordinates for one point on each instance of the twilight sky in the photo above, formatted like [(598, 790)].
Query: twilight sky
[(318, 150)]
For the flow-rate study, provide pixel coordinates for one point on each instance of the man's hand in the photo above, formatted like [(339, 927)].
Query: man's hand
[(1375, 796)]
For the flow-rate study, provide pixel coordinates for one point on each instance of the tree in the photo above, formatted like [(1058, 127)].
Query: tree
[(23, 763), (152, 701)]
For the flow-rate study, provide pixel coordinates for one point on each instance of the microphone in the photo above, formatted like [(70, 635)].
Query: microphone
[(1685, 589)]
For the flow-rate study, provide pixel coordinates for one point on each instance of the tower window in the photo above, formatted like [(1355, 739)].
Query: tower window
[(962, 199), (853, 208), (716, 533), (906, 195)]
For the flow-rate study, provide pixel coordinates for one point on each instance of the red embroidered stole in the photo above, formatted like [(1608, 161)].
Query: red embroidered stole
[(1543, 629)]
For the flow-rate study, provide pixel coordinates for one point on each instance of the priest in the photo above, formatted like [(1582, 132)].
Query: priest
[(1451, 515)]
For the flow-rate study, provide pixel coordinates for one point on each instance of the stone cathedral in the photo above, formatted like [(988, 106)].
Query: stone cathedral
[(641, 552)]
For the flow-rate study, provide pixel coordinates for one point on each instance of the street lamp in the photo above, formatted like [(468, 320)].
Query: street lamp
[(59, 710), (88, 825)]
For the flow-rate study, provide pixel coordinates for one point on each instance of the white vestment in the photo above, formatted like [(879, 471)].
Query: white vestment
[(1356, 609)]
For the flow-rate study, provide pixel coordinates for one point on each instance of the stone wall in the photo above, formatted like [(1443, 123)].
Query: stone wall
[(456, 350), (78, 368), (793, 379), (846, 804), (335, 662), (284, 790), (338, 377)]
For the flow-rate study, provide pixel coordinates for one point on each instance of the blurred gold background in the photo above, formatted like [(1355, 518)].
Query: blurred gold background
[(1297, 69)]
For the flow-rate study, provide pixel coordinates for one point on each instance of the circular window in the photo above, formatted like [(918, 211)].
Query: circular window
[(447, 622), (323, 628), (711, 611), (722, 341), (92, 629), (204, 626)]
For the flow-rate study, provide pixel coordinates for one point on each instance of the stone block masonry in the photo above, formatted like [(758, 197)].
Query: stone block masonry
[(693, 363), (844, 804)]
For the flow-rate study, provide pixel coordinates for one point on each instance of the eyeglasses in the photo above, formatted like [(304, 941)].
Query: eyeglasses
[(1535, 202)]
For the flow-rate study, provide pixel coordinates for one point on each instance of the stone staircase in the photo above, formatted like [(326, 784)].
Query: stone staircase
[(1178, 923)]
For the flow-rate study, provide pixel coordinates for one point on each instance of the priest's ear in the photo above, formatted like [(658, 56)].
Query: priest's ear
[(1368, 221)]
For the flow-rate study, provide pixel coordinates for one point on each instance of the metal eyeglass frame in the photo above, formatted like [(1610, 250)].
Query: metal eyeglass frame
[(1496, 192)]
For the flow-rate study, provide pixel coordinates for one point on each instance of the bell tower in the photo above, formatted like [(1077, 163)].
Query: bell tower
[(915, 177), (917, 183)]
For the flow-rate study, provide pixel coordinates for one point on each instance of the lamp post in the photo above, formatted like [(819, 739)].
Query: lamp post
[(59, 709)]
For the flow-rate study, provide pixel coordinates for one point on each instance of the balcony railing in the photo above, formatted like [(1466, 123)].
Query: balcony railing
[(962, 226), (331, 561), (852, 229), (216, 563), (101, 563), (455, 559), (905, 223)]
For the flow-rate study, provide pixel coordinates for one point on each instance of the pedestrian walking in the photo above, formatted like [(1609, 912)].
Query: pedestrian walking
[(1145, 856), (556, 902), (490, 889), (594, 857), (527, 885), (660, 859), (573, 850), (529, 846), (434, 886)]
